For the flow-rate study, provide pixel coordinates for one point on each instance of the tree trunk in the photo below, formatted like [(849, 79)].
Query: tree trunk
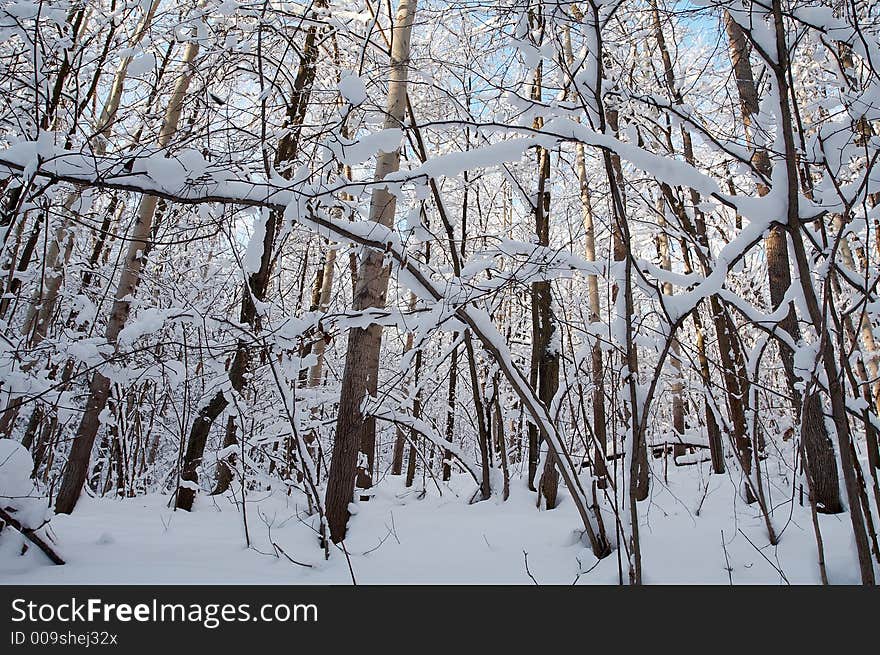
[(400, 438), (99, 388), (835, 389), (450, 408), (817, 444), (356, 434), (600, 470), (255, 288), (545, 351), (42, 306)]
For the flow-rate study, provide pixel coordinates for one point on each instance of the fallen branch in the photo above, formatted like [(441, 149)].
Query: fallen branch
[(32, 536), (293, 561)]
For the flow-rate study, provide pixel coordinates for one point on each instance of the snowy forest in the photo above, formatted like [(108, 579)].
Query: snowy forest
[(476, 291)]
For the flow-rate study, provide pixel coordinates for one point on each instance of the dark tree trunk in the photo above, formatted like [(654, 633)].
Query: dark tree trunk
[(450, 408), (255, 288), (817, 444)]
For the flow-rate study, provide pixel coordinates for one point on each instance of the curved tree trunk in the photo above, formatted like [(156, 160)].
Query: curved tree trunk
[(99, 388)]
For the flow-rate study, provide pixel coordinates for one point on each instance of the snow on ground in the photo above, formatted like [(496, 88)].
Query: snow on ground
[(399, 538)]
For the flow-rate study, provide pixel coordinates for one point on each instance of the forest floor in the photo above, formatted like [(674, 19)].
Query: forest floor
[(694, 530)]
